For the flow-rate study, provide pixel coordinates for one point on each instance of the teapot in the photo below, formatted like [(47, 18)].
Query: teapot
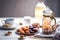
[(47, 21)]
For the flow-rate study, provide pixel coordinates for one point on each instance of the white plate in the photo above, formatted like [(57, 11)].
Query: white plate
[(12, 27), (40, 34)]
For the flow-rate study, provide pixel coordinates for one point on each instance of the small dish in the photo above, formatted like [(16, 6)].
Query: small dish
[(12, 27)]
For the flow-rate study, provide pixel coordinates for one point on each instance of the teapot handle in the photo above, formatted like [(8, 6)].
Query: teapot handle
[(53, 18), (3, 22)]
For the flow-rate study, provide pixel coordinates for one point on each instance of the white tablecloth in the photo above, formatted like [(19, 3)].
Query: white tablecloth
[(14, 36)]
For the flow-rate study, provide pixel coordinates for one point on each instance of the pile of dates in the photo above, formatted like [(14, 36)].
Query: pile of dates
[(29, 29)]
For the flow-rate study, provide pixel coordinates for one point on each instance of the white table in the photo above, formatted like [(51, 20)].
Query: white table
[(14, 36)]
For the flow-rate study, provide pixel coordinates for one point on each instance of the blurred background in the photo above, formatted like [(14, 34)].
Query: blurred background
[(20, 8)]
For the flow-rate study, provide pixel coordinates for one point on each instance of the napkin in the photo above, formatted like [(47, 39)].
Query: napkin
[(57, 34)]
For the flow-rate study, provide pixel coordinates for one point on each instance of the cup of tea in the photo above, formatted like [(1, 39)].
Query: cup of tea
[(8, 21)]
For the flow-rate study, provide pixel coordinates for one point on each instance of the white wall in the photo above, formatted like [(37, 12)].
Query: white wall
[(17, 8), (20, 8)]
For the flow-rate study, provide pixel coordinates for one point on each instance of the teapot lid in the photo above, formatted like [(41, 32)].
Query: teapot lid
[(47, 11)]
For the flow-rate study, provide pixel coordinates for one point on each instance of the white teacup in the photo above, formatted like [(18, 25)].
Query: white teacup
[(8, 21), (27, 19)]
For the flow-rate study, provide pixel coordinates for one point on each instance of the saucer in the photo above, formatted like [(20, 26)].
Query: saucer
[(11, 27), (40, 34)]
